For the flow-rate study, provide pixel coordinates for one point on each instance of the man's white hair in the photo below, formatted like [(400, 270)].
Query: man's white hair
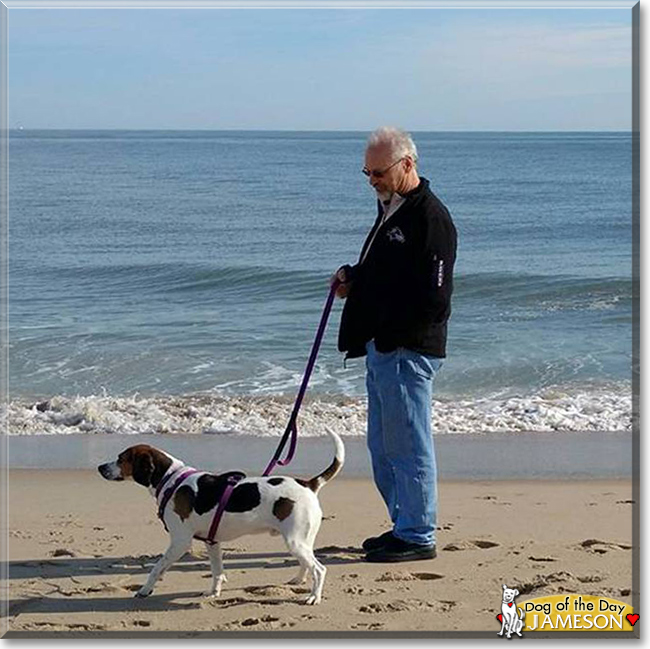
[(399, 142)]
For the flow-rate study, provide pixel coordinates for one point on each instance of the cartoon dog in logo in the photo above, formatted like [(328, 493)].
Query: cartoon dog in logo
[(512, 616)]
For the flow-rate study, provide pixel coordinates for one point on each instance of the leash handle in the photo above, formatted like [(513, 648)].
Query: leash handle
[(292, 427)]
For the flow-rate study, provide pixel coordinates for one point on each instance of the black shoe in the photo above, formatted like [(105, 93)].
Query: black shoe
[(377, 542), (397, 550)]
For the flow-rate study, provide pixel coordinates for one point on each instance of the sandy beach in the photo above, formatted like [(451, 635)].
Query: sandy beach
[(79, 547)]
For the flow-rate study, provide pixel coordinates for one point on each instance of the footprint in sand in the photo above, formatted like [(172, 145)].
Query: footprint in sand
[(589, 579), (602, 547), (561, 581), (369, 626), (18, 534), (541, 559), (481, 544), (360, 590), (349, 575), (348, 551), (267, 621), (276, 595), (64, 627), (540, 581), (376, 608), (224, 603), (107, 588), (401, 605), (277, 590), (409, 576)]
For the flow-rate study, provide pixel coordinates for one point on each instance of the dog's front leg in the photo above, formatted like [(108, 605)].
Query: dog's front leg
[(177, 548), (503, 623), (216, 563)]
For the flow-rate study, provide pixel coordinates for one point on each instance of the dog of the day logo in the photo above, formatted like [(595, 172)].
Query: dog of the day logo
[(573, 612)]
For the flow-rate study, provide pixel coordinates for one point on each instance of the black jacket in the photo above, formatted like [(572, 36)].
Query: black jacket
[(400, 294)]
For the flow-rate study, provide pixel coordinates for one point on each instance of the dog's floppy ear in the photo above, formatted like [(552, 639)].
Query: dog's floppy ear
[(516, 592), (504, 587), (143, 469)]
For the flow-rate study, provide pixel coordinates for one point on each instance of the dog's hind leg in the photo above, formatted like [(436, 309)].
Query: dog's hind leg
[(312, 527), (216, 563), (301, 576), (177, 548), (308, 562)]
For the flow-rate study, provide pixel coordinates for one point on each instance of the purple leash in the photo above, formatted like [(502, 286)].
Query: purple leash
[(221, 508), (292, 426), (291, 430)]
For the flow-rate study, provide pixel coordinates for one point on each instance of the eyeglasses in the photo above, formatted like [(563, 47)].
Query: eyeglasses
[(379, 174)]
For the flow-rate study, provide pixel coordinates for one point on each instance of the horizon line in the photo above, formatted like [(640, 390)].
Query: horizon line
[(308, 130)]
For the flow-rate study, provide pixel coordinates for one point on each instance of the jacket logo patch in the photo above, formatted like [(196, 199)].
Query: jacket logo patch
[(395, 234)]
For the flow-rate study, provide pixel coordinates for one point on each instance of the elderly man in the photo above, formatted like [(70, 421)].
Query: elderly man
[(396, 312)]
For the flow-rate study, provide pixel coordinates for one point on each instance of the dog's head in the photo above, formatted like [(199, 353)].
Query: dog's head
[(509, 594), (142, 463)]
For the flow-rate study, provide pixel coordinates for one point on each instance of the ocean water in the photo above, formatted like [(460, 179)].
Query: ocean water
[(173, 281)]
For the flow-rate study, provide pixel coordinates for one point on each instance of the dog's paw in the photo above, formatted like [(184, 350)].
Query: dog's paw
[(215, 591), (211, 594), (312, 599)]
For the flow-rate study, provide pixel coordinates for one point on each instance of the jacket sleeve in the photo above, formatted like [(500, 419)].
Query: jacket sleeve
[(424, 301), (434, 281)]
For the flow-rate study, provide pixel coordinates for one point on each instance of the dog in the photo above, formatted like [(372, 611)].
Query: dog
[(280, 505), (511, 622)]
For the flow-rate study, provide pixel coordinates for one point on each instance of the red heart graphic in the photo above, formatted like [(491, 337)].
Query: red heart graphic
[(500, 617), (509, 603), (632, 619)]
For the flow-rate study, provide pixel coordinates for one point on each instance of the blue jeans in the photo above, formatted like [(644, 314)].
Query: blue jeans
[(400, 440)]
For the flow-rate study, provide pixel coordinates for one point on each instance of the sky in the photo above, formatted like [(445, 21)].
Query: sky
[(312, 69)]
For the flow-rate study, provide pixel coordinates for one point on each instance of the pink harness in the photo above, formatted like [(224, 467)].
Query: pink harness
[(183, 475)]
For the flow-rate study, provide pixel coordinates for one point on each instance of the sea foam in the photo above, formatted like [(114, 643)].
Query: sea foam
[(552, 409)]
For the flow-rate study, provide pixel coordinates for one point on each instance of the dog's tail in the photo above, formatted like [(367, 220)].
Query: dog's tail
[(317, 482)]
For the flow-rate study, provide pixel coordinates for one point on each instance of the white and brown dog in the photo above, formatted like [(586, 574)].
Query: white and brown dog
[(279, 505)]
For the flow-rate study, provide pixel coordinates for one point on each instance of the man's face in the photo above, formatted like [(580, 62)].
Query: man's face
[(379, 159)]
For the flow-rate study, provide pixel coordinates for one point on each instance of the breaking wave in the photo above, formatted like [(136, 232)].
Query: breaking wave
[(551, 409)]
